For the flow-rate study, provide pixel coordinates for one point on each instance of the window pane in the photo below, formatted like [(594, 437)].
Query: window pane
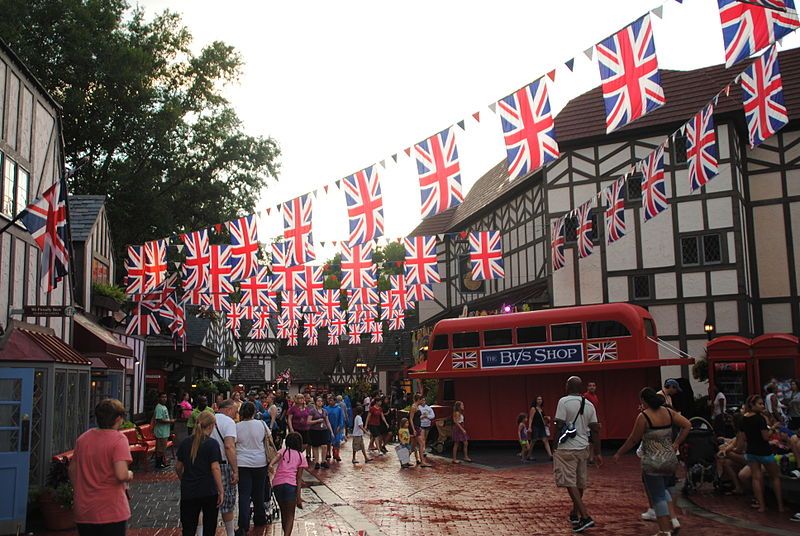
[(641, 287), (466, 340), (689, 253), (570, 229), (439, 342), (532, 334), (605, 328), (634, 189), (497, 337), (679, 149), (23, 184), (712, 249), (566, 332), (7, 206)]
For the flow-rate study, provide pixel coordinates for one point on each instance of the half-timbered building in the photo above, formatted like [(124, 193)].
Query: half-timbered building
[(725, 255)]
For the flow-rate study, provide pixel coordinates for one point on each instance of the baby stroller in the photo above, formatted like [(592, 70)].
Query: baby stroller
[(699, 454)]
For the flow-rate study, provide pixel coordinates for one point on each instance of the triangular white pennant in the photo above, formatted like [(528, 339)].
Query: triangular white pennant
[(589, 52), (493, 107), (658, 12), (179, 247), (394, 157), (383, 164)]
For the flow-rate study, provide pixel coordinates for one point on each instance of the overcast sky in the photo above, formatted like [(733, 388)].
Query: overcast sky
[(342, 85)]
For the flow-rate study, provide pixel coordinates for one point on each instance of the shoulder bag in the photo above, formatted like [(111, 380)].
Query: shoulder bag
[(569, 431), (269, 445)]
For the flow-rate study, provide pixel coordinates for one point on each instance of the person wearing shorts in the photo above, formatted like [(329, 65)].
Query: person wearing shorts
[(288, 480), (572, 455), (358, 435)]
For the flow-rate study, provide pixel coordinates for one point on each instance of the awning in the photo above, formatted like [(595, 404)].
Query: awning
[(37, 344), (105, 362), (91, 337), (582, 368), (422, 366)]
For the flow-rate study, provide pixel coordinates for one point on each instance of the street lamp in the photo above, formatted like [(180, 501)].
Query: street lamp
[(708, 327)]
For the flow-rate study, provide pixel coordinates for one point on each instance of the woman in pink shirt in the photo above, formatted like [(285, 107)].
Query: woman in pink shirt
[(287, 482), (100, 475), (186, 407)]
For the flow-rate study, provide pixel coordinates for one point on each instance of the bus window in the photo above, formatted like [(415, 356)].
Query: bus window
[(466, 340), (566, 332), (606, 328), (649, 328), (439, 342), (497, 337), (531, 334), (448, 390)]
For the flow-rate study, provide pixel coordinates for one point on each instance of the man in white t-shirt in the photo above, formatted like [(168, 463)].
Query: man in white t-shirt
[(358, 435), (225, 435), (571, 457)]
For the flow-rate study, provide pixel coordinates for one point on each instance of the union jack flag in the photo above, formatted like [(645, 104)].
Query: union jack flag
[(233, 317), (486, 255), (376, 332), (292, 339), (337, 323), (762, 92), (398, 293), (615, 210), (297, 230), (309, 281), (219, 270), (46, 221), (333, 340), (261, 321), (439, 173), (155, 263), (701, 148), (244, 247), (654, 188), (285, 326), (257, 290), (464, 360), (397, 320), (353, 337), (747, 28), (421, 264), (193, 297), (385, 303), (362, 299), (310, 326), (195, 267), (143, 321), (585, 230), (418, 293), (601, 351), (328, 301), (134, 265), (258, 333), (285, 274), (249, 312), (290, 305), (629, 72), (529, 129), (557, 244), (176, 314), (357, 268), (362, 191)]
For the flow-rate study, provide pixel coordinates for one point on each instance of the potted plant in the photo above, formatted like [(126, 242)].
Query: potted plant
[(57, 498)]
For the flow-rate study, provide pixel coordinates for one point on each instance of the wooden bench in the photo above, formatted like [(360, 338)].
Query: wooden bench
[(149, 438), (139, 449)]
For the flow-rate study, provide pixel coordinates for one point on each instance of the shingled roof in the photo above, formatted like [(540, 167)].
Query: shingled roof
[(582, 123), (83, 213)]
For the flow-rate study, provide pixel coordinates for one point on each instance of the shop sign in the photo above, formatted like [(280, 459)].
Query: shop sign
[(530, 356), (48, 310)]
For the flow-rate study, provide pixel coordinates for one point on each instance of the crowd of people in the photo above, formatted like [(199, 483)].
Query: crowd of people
[(256, 447)]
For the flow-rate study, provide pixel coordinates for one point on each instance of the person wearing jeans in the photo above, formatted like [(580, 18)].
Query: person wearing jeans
[(251, 438)]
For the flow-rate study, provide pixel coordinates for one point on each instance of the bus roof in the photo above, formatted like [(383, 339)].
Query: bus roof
[(630, 315)]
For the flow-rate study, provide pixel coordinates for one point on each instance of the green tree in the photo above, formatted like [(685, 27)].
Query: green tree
[(164, 143)]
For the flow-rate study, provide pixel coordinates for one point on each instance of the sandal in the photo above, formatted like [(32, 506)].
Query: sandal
[(456, 461), (468, 460)]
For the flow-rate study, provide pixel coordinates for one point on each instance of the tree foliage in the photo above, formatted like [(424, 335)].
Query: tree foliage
[(164, 143), (388, 261)]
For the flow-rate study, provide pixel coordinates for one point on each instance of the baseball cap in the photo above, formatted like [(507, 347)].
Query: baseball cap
[(672, 382)]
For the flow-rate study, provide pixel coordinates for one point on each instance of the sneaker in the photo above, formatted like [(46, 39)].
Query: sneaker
[(338, 459), (795, 517), (583, 524), (316, 466), (575, 520), (325, 465), (649, 515), (676, 525), (354, 462)]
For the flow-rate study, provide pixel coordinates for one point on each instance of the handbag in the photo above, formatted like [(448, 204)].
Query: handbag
[(269, 446)]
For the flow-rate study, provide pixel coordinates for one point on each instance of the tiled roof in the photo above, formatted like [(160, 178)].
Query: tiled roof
[(582, 123), (83, 212), (37, 345), (314, 363)]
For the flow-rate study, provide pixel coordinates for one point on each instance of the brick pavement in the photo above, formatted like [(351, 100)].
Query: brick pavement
[(451, 500)]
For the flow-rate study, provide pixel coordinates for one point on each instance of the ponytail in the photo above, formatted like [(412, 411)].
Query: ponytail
[(204, 422)]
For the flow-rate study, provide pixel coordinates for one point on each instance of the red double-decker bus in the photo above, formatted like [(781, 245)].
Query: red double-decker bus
[(498, 364)]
